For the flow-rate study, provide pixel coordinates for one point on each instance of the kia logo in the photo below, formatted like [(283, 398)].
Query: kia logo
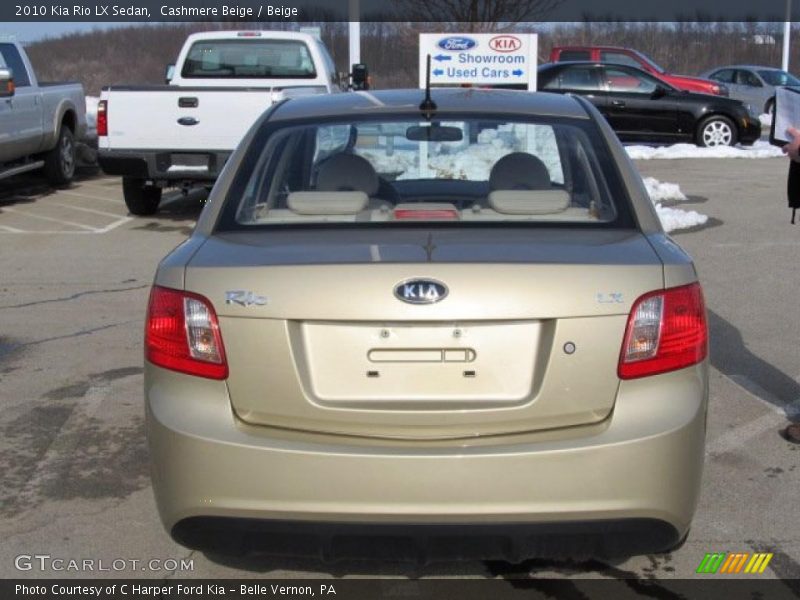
[(420, 291), (505, 43), (455, 44)]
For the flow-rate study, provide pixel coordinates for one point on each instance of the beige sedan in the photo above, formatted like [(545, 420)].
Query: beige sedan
[(440, 331)]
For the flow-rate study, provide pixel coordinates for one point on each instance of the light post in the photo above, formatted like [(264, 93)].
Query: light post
[(787, 29), (355, 33)]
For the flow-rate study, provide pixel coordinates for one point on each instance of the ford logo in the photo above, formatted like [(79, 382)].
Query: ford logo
[(456, 44), (420, 291)]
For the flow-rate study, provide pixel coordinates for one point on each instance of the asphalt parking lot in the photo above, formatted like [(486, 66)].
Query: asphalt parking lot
[(76, 274)]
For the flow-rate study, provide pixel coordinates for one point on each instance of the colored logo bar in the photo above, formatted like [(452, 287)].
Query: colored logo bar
[(734, 562)]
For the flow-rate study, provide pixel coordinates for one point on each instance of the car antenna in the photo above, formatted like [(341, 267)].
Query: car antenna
[(428, 106)]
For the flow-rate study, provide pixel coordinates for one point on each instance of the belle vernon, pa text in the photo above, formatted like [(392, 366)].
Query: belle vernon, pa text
[(177, 591), (116, 10)]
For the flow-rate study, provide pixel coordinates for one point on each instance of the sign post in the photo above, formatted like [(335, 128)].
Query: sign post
[(480, 59)]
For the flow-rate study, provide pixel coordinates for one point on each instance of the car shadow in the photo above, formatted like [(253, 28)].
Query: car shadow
[(175, 210), (265, 564), (730, 355), (30, 187)]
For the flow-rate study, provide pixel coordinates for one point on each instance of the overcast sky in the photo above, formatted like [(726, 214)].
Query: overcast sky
[(31, 32)]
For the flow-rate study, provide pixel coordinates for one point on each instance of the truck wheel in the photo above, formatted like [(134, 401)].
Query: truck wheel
[(717, 130), (140, 199), (59, 163)]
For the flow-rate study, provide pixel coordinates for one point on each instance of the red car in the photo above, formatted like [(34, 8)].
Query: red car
[(634, 58)]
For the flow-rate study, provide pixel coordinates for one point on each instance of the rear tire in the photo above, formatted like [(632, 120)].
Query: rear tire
[(59, 163), (716, 130), (141, 199), (769, 107)]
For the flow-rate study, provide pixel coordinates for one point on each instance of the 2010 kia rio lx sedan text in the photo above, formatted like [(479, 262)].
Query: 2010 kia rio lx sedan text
[(447, 329)]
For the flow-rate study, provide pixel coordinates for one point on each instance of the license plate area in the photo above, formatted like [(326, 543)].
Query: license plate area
[(184, 162), (418, 365)]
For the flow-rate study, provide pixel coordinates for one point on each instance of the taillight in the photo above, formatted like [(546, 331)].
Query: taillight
[(666, 331), (102, 117), (182, 334)]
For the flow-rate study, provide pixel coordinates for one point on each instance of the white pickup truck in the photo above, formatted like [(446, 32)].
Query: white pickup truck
[(39, 122), (182, 133)]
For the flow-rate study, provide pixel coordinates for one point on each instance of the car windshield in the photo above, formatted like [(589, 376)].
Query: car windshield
[(777, 77), (249, 59), (649, 61), (460, 170)]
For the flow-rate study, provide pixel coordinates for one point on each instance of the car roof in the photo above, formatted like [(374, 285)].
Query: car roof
[(249, 35), (563, 64), (592, 47), (759, 67), (448, 100)]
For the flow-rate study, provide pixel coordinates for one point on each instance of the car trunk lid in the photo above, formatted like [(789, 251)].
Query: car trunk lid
[(527, 337)]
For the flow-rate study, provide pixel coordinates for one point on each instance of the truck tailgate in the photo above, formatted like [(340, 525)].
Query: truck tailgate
[(182, 118)]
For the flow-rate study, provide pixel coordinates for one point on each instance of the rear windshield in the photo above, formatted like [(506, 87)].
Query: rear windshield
[(658, 68), (452, 171), (249, 59)]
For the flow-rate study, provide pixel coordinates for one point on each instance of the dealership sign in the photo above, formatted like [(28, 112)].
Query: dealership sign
[(479, 58)]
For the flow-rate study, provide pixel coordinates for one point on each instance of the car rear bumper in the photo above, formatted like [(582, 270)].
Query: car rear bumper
[(163, 165), (626, 485), (751, 133)]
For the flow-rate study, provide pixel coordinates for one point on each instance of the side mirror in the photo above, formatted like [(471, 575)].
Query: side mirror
[(169, 73), (6, 84), (359, 77), (659, 92)]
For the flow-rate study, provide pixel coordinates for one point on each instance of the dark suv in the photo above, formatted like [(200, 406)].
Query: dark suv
[(641, 107)]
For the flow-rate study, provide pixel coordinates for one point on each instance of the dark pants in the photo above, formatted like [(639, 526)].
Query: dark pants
[(793, 184)]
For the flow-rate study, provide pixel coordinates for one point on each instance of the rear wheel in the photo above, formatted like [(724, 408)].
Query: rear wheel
[(59, 163), (769, 106), (141, 199), (716, 130)]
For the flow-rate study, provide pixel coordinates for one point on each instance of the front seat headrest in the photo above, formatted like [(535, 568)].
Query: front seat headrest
[(347, 173), (519, 171)]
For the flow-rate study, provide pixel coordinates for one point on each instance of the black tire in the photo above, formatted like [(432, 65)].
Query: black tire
[(716, 130), (59, 163), (140, 199), (769, 106)]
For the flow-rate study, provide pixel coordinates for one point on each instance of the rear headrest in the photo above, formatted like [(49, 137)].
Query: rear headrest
[(346, 173), (327, 203), (519, 171), (529, 202)]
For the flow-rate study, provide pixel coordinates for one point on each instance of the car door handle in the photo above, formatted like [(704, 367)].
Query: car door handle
[(188, 121), (618, 103)]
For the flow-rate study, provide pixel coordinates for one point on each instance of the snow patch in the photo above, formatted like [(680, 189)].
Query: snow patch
[(766, 119), (758, 150), (672, 219), (663, 192)]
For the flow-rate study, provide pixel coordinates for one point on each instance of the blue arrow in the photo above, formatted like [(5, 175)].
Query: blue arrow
[(517, 72), (441, 57), (437, 72)]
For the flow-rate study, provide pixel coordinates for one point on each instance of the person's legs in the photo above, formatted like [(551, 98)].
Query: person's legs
[(793, 187)]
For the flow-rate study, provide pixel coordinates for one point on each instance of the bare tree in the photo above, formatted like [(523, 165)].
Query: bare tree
[(476, 15)]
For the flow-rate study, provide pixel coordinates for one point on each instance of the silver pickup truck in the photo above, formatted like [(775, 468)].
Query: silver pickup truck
[(39, 122)]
